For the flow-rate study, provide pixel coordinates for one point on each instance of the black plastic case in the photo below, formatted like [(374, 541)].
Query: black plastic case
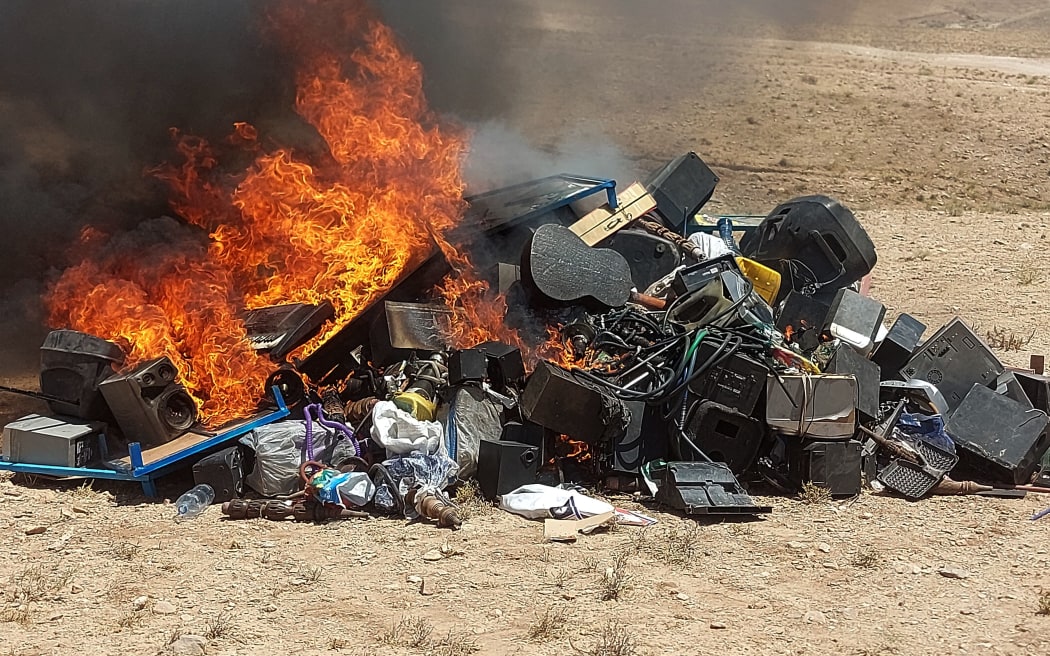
[(815, 242)]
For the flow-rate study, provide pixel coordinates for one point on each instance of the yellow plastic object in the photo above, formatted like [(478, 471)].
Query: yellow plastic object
[(765, 280), (416, 405)]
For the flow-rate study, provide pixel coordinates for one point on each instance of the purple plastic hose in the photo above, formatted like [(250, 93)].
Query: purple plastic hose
[(327, 423)]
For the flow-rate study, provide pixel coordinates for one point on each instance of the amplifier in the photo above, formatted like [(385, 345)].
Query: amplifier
[(59, 442)]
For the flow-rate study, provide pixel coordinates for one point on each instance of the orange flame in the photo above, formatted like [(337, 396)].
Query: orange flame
[(345, 228)]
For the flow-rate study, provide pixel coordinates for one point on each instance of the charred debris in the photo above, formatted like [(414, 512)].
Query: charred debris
[(680, 357)]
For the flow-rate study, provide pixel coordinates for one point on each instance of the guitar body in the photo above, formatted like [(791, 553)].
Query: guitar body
[(564, 269)]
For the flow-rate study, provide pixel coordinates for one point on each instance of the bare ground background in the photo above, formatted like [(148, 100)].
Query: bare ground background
[(929, 119)]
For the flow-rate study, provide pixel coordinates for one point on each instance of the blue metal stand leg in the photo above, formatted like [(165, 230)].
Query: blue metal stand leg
[(149, 488)]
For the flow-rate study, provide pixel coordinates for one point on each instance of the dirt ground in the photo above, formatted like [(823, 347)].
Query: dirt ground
[(930, 120)]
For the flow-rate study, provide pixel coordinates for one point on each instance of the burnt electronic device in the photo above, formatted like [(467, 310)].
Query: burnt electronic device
[(816, 406), (54, 441), (899, 344), (831, 464), (506, 466), (1036, 388), (737, 382), (224, 471), (847, 361), (953, 360), (649, 256), (279, 329), (643, 440), (555, 399), (697, 276), (815, 243), (704, 488), (72, 364), (1009, 385), (467, 365), (526, 433), (998, 437), (854, 319), (506, 367), (681, 188), (402, 328), (724, 435), (149, 404), (802, 319)]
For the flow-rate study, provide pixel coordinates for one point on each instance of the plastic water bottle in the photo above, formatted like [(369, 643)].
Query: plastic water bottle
[(194, 502)]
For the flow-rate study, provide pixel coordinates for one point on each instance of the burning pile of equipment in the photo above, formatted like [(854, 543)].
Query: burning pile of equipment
[(343, 325)]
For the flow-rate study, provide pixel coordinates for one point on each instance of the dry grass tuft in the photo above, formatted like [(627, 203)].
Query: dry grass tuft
[(814, 494), (310, 573), (412, 632), (869, 558), (219, 626), (1003, 340), (455, 643), (126, 551), (471, 502), (1044, 603), (1029, 271), (550, 625), (614, 640), (678, 545), (615, 578)]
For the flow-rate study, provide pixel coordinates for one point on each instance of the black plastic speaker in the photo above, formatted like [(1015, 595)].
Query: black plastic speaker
[(506, 466), (681, 188), (724, 435), (149, 405), (816, 244), (224, 471), (953, 360), (998, 438), (72, 364)]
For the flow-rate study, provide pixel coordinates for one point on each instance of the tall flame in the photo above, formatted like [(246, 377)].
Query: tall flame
[(345, 227)]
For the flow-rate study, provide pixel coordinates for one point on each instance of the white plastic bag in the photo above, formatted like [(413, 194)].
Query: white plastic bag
[(712, 245), (537, 501), (401, 433)]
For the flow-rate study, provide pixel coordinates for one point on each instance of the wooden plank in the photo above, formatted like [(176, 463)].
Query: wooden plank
[(181, 443), (634, 201)]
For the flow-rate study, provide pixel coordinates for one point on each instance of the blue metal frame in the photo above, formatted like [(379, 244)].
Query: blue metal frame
[(148, 474)]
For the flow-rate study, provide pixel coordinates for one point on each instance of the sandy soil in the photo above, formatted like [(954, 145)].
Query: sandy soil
[(929, 119)]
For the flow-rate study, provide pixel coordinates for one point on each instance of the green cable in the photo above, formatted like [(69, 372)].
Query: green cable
[(696, 343)]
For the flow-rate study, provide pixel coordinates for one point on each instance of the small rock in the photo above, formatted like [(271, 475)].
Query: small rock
[(79, 510), (414, 580), (36, 530), (830, 565), (269, 608), (189, 645), (815, 617), (866, 515), (138, 603), (681, 596), (76, 589), (164, 608), (824, 547), (55, 616), (498, 612), (432, 556), (66, 513), (428, 588), (966, 611), (718, 625), (797, 545), (953, 573)]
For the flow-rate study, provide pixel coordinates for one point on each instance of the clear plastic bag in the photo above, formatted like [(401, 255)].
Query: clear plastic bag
[(280, 448)]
